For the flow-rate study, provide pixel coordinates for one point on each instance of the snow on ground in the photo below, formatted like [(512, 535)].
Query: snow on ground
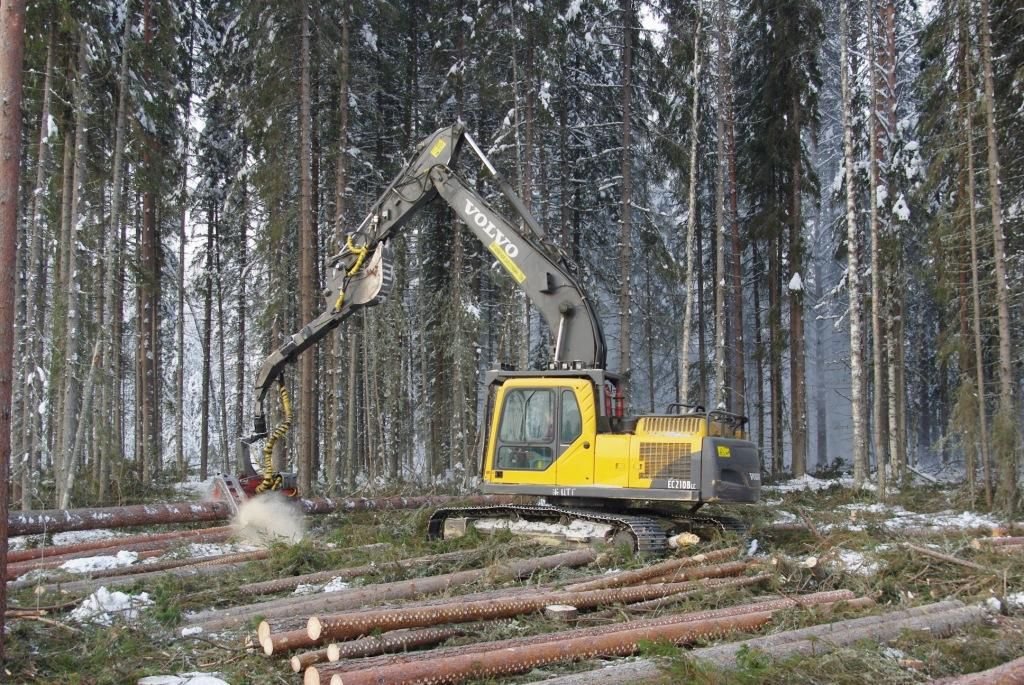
[(1016, 601), (98, 563), (20, 542), (809, 482), (104, 606), (184, 679), (578, 531), (855, 562), (335, 585), (213, 549)]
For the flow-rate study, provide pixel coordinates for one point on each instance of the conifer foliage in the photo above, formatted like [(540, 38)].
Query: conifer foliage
[(808, 212)]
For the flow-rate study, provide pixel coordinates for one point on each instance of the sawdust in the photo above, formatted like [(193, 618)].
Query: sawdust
[(269, 517)]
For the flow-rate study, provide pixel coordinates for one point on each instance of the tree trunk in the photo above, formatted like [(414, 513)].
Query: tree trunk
[(967, 102), (73, 333), (775, 343), (860, 446), (626, 222), (721, 393), (12, 46), (758, 350), (880, 419), (31, 426), (691, 222), (148, 399), (1007, 443), (739, 390), (307, 268), (820, 334), (797, 361), (204, 408), (243, 267), (107, 249)]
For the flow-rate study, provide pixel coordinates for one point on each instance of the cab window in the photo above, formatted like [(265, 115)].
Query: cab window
[(527, 430), (572, 422)]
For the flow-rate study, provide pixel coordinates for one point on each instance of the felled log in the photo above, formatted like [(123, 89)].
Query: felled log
[(768, 604), (1010, 673), (949, 558), (700, 587), (221, 564), (512, 660), (51, 551), (62, 520), (346, 626), (986, 543), (15, 571), (292, 582), (881, 627), (640, 575), (381, 592)]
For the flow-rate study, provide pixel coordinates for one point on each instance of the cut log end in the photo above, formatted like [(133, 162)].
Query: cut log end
[(268, 645), (311, 676), (314, 628), (296, 664), (683, 541), (333, 652), (561, 612), (263, 631), (337, 680)]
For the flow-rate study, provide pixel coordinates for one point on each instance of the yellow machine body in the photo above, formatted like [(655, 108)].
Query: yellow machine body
[(546, 436)]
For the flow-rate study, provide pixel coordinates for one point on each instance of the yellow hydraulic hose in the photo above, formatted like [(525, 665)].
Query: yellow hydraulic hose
[(360, 253), (271, 480)]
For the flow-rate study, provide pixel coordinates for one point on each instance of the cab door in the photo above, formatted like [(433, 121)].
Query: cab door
[(577, 430), (539, 437)]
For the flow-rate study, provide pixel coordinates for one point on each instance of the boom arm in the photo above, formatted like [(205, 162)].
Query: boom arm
[(360, 275)]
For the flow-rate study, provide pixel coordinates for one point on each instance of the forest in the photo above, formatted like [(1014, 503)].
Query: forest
[(805, 212)]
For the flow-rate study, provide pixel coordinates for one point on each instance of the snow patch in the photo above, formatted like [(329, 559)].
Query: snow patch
[(856, 562), (335, 585), (796, 283), (103, 606), (1015, 601), (99, 563), (578, 531)]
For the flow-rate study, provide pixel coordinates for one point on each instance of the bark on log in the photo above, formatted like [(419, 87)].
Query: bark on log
[(730, 568), (146, 549), (62, 520), (346, 626), (982, 543), (219, 566), (640, 575), (1010, 673), (395, 641), (700, 587), (302, 661), (949, 558), (292, 582), (725, 655), (512, 660), (382, 592), (765, 604), (16, 570), (107, 543)]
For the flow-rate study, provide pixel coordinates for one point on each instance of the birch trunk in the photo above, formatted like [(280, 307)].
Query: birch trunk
[(880, 419)]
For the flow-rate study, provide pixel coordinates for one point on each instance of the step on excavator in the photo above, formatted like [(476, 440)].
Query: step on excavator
[(557, 438)]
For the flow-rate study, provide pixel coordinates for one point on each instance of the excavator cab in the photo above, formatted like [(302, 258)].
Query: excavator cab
[(547, 437)]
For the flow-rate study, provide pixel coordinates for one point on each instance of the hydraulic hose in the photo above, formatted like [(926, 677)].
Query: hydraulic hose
[(272, 480)]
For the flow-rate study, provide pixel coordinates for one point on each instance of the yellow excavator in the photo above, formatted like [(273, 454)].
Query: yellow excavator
[(556, 437)]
